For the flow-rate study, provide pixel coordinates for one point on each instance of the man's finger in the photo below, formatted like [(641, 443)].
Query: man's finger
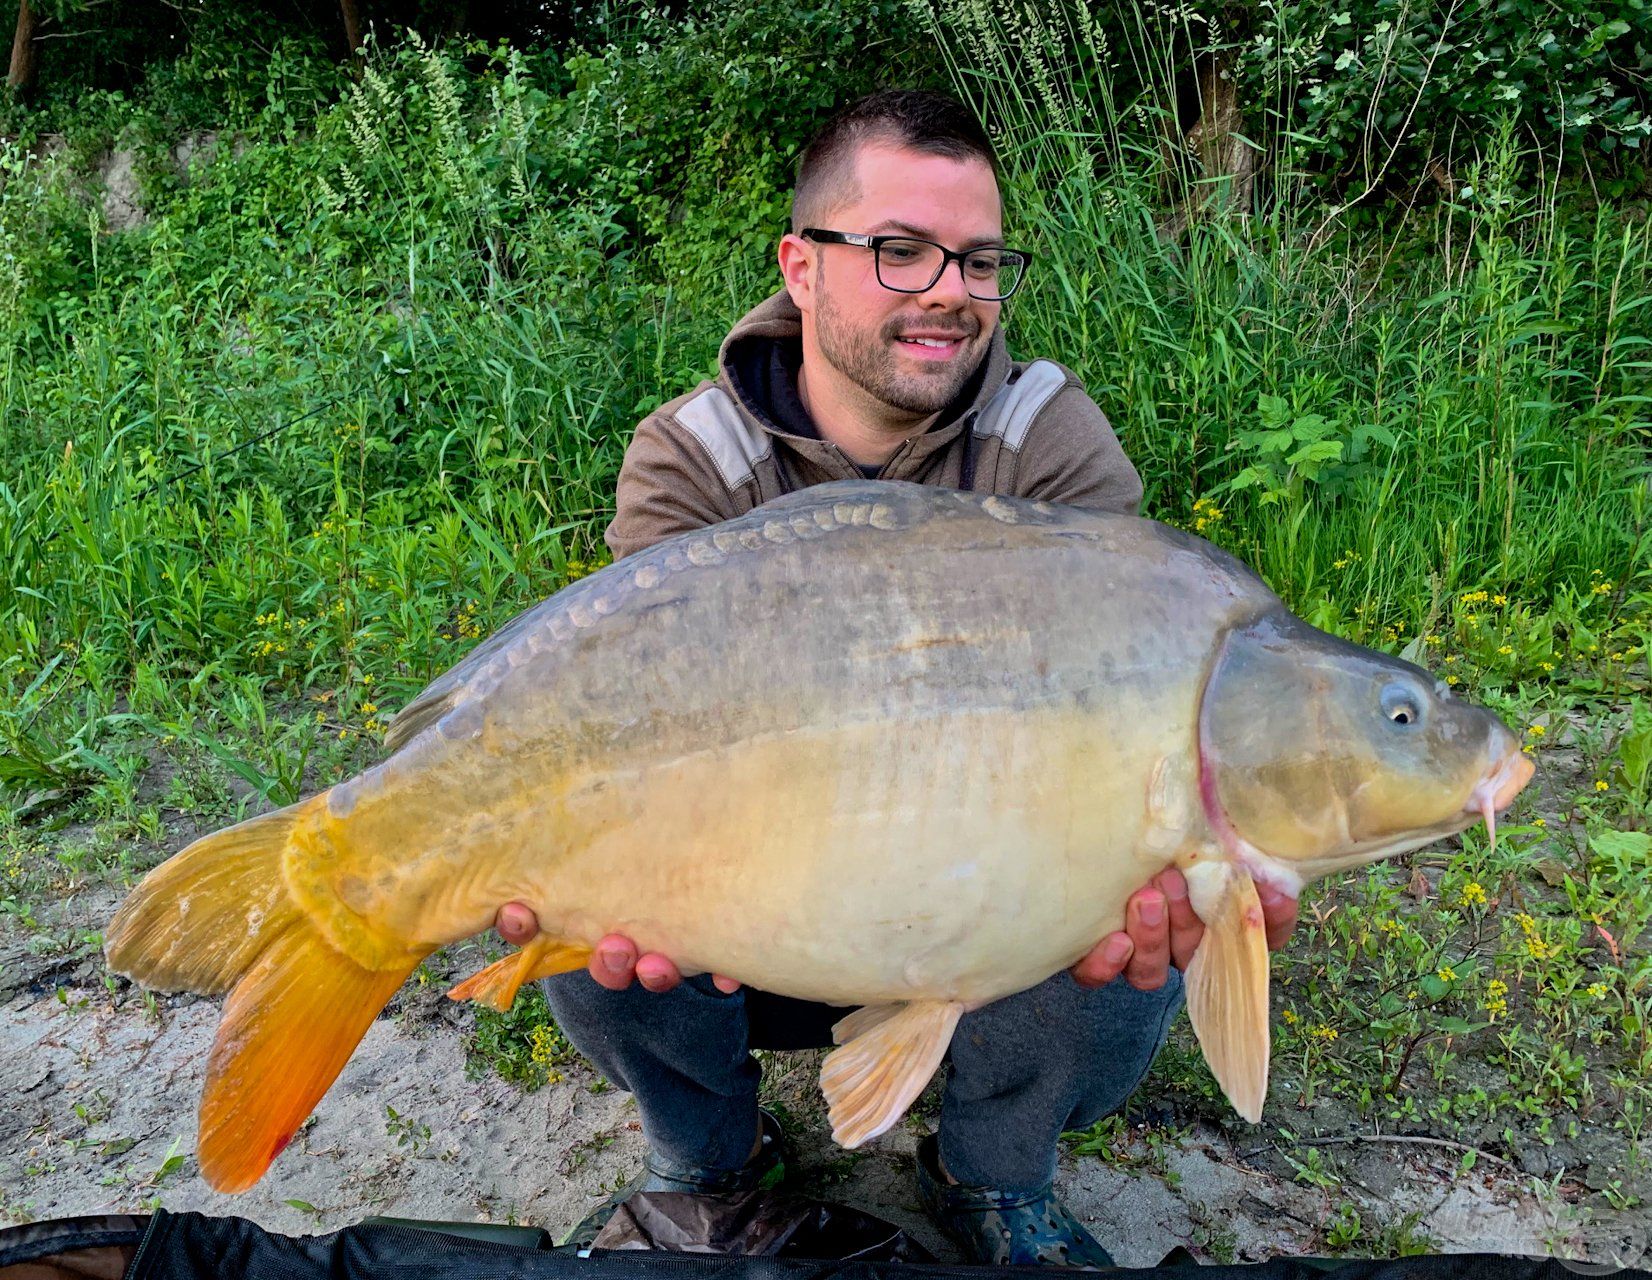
[(1105, 961), (657, 973), (1186, 929), (728, 986), (1279, 911), (516, 923), (614, 962), (1146, 922)]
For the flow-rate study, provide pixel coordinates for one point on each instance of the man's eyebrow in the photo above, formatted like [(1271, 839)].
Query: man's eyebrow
[(924, 233)]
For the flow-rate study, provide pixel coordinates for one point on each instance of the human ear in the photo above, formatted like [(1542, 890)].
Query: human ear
[(797, 270)]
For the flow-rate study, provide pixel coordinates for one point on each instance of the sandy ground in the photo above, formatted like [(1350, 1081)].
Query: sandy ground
[(99, 1094)]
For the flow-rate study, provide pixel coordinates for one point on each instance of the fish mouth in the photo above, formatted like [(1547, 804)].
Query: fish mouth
[(1497, 790)]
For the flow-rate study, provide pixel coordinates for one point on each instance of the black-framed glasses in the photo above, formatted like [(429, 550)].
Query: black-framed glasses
[(906, 264)]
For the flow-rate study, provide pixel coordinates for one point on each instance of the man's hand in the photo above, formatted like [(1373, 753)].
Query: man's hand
[(1160, 930), (615, 961)]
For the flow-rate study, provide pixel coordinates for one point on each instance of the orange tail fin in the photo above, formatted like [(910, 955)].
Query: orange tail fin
[(218, 917), (288, 1029)]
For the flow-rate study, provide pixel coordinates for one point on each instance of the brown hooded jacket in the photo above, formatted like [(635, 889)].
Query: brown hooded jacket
[(1027, 430)]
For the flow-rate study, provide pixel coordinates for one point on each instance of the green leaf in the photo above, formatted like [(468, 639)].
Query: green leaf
[(1311, 426), (1623, 849), (1318, 451), (1273, 410), (1376, 431)]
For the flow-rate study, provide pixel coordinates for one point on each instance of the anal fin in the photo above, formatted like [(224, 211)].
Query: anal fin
[(1227, 985), (497, 985), (891, 1053)]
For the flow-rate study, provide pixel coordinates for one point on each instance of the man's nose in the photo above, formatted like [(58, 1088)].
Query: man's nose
[(950, 290)]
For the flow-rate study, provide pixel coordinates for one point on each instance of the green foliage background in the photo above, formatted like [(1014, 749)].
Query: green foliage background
[(367, 368)]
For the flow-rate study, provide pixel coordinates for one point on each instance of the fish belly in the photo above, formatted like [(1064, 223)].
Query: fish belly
[(961, 857)]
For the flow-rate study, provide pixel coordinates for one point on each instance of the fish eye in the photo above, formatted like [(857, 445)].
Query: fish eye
[(1401, 705)]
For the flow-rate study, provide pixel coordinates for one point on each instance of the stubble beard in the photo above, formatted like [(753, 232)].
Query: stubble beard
[(869, 360)]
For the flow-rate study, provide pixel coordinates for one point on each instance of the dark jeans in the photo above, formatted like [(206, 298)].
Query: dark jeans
[(1020, 1071)]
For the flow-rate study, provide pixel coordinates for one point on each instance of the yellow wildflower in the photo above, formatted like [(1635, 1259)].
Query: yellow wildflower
[(1499, 600), (1539, 822), (1506, 649), (1473, 894), (1598, 990), (1445, 973), (1537, 730), (1600, 785), (1323, 1032), (1289, 1015)]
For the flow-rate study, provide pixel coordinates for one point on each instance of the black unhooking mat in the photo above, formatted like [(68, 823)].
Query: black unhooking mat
[(192, 1246)]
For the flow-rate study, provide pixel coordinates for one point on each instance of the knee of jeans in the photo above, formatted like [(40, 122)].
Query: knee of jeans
[(578, 991), (571, 990), (1117, 1070)]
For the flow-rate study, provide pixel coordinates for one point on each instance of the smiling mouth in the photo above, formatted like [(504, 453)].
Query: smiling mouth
[(928, 348)]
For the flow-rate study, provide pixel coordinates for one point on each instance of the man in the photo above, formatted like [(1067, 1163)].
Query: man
[(883, 356)]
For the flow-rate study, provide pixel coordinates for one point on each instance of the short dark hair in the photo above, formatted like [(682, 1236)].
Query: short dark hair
[(934, 123)]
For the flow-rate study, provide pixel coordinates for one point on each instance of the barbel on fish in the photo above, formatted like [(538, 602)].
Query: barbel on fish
[(872, 744)]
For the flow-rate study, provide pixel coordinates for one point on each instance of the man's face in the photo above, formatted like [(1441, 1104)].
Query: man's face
[(910, 351)]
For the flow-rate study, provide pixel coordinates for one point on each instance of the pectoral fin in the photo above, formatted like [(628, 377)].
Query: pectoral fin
[(1227, 985), (862, 1020), (497, 985), (890, 1054)]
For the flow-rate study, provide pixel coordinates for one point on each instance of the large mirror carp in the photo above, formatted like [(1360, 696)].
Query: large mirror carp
[(872, 744)]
